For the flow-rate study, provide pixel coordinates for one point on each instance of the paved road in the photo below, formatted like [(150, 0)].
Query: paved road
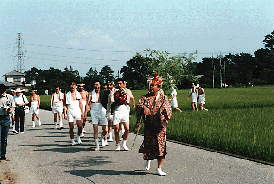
[(44, 155)]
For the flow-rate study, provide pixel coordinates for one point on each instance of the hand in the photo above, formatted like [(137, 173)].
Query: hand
[(65, 116), (133, 106), (165, 123), (136, 128), (147, 111), (187, 98)]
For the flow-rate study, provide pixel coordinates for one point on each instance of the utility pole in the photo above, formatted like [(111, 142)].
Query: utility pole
[(20, 54), (224, 74), (221, 69), (213, 66)]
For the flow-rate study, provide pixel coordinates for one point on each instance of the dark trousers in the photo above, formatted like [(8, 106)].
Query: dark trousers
[(4, 130), (19, 118)]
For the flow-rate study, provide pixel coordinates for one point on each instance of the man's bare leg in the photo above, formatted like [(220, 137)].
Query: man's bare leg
[(55, 120), (117, 138), (125, 135), (79, 125), (110, 131), (95, 135), (71, 133), (104, 135), (33, 121), (60, 115), (37, 117), (12, 122)]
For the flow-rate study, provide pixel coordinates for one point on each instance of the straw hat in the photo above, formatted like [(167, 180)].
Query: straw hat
[(18, 90)]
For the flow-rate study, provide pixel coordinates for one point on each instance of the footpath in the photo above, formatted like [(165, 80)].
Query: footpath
[(45, 155)]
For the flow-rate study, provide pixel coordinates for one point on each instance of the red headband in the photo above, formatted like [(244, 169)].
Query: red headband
[(156, 81)]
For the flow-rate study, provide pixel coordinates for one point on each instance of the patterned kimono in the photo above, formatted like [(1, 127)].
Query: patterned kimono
[(154, 144)]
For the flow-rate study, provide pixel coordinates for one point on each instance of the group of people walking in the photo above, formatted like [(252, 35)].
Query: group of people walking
[(109, 107)]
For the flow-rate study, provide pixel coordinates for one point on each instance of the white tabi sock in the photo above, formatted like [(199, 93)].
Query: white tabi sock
[(97, 145), (55, 125), (33, 124)]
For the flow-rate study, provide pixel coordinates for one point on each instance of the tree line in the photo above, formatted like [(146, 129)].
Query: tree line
[(241, 69)]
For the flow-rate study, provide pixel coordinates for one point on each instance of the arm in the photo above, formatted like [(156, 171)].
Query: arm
[(51, 101), (88, 105), (65, 107), (38, 101), (139, 113), (133, 101), (166, 111), (81, 107)]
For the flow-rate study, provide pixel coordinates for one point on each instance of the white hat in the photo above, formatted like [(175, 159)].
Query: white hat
[(18, 90)]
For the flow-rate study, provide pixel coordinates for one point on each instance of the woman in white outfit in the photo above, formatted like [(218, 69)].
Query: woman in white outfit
[(173, 100), (194, 95)]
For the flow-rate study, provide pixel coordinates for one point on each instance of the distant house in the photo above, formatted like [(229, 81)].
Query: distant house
[(15, 79)]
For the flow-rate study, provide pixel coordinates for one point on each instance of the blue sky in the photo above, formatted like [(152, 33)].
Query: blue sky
[(84, 34)]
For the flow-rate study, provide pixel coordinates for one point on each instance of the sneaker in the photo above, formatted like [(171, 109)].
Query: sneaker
[(118, 147), (106, 142), (160, 172), (73, 143), (33, 124), (147, 165), (79, 140), (110, 139), (84, 131), (206, 109), (22, 132), (39, 123), (55, 126), (82, 135)]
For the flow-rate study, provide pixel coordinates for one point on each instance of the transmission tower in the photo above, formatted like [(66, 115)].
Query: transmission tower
[(20, 54)]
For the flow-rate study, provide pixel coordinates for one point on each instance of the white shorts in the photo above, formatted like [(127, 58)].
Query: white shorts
[(98, 114), (74, 114), (174, 103), (110, 117), (121, 114), (194, 98), (201, 99), (84, 106), (57, 108), (34, 108)]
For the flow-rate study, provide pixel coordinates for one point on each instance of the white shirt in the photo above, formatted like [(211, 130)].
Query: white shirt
[(6, 102), (19, 99)]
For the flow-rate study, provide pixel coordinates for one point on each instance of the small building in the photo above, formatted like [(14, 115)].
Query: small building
[(15, 79)]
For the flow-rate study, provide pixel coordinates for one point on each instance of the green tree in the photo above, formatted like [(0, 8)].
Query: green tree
[(106, 74), (91, 76), (137, 71), (174, 69)]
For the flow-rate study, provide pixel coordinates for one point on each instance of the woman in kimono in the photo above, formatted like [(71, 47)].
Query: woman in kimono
[(155, 109)]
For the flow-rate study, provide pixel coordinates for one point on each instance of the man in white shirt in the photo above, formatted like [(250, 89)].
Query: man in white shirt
[(20, 103), (34, 107), (121, 114), (98, 113), (73, 109), (57, 100)]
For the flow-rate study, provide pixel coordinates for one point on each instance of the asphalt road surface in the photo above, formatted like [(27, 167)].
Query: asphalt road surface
[(45, 155)]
